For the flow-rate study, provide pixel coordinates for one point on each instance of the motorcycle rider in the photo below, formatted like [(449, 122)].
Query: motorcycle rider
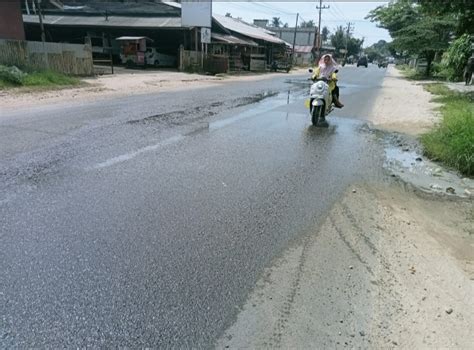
[(327, 68)]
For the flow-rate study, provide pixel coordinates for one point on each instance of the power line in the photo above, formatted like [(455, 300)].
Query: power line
[(276, 10), (340, 12)]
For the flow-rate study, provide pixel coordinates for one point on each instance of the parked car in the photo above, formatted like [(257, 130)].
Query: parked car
[(363, 62), (157, 59)]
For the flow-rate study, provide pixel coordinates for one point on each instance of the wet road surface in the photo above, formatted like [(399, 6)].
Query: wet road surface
[(146, 221)]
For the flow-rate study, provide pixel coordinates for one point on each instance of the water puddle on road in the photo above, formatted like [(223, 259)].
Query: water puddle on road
[(277, 100), (261, 103), (405, 160)]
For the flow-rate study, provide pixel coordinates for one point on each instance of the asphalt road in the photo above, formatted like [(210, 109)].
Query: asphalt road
[(146, 221)]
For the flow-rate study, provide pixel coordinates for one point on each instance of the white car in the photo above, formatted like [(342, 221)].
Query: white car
[(157, 59)]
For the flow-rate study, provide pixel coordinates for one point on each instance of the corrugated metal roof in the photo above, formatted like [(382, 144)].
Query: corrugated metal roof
[(230, 39), (113, 21), (115, 7), (254, 32)]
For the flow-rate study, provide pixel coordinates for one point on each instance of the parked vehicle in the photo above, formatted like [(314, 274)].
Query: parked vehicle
[(383, 64), (136, 51), (320, 101), (132, 50), (154, 58), (284, 65), (362, 61)]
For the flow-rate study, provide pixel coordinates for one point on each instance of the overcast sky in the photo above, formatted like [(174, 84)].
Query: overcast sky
[(339, 13)]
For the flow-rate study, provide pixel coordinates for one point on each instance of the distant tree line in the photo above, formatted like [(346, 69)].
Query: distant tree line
[(438, 31)]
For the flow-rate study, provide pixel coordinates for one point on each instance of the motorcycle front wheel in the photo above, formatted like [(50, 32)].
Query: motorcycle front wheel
[(316, 114)]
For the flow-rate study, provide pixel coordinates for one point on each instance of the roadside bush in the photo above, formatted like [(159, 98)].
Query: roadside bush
[(11, 75), (452, 141), (455, 58)]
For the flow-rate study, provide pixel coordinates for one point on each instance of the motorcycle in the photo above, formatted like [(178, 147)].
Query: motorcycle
[(320, 101)]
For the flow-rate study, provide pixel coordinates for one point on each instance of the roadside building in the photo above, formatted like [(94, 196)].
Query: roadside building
[(101, 22), (303, 38), (261, 47), (303, 55), (235, 44), (304, 35), (11, 22)]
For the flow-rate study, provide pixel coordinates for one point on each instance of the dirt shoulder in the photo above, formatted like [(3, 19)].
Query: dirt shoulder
[(403, 106), (386, 269), (124, 83)]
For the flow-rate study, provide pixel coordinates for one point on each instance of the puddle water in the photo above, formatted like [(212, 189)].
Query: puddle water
[(411, 166), (261, 103), (277, 100)]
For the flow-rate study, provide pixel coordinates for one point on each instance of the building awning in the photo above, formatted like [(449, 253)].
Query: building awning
[(111, 21), (248, 30), (232, 40)]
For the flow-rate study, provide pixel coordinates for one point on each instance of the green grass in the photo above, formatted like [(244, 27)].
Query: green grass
[(6, 84), (47, 79), (452, 141), (411, 73)]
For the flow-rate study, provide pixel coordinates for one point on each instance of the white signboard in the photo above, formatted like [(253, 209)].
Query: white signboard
[(206, 35), (196, 13)]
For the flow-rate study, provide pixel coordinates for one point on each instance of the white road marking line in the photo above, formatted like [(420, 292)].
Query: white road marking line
[(131, 155)]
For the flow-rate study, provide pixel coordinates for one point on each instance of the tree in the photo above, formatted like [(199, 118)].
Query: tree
[(461, 11), (425, 38), (340, 38), (307, 24), (413, 30), (394, 16), (276, 22), (228, 14), (325, 34), (455, 58), (285, 25), (378, 50)]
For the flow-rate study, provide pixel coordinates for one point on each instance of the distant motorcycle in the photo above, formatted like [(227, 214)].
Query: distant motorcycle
[(320, 101)]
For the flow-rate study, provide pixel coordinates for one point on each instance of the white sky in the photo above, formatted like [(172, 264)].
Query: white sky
[(339, 13)]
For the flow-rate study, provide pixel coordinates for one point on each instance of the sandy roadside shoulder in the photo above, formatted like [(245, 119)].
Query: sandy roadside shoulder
[(387, 269), (124, 83), (403, 106)]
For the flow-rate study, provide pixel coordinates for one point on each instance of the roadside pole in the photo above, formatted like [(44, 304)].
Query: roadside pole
[(294, 39), (347, 38), (43, 35), (318, 39)]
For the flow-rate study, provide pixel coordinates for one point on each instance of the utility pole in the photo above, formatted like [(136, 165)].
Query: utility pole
[(43, 36), (318, 40), (40, 14), (294, 39), (347, 38)]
